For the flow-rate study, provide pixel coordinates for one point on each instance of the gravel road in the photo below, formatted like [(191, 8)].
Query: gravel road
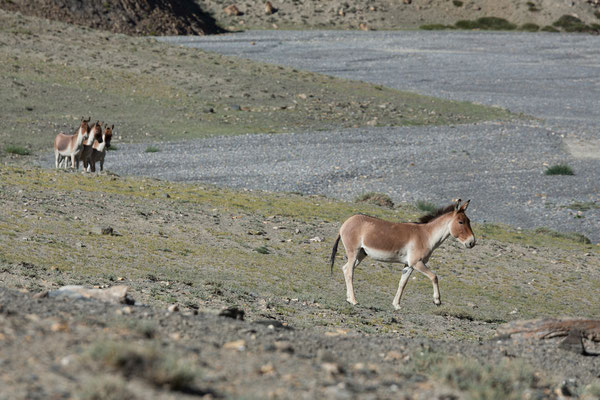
[(553, 77)]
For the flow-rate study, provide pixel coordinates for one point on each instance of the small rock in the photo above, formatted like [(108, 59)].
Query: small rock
[(239, 345), (59, 327), (363, 26), (331, 368), (173, 308), (393, 356), (269, 9), (284, 347), (573, 343), (232, 10), (115, 294), (267, 369), (233, 312), (315, 239), (41, 295)]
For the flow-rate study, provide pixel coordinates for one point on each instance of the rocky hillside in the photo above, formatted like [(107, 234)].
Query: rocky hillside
[(133, 17), (385, 14)]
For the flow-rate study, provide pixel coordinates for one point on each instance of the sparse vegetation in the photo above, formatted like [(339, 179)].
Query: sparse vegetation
[(570, 23), (530, 27), (584, 206), (559, 169), (532, 7), (380, 199), (486, 23), (19, 150), (425, 206), (457, 3), (435, 27), (152, 149), (475, 380), (550, 29), (573, 236), (150, 362), (105, 388)]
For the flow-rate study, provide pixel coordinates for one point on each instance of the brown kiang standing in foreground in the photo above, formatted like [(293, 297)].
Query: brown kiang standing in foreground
[(407, 243), (70, 145)]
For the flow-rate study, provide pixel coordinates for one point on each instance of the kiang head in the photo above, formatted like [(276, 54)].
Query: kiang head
[(108, 134), (84, 127), (460, 226), (97, 131)]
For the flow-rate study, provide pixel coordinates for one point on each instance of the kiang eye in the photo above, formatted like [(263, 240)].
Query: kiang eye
[(460, 222)]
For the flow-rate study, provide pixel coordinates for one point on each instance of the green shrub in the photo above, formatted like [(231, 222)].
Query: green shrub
[(559, 169), (487, 23), (507, 379), (105, 388), (532, 6), (529, 27), (573, 236), (152, 149), (262, 250), (457, 3), (151, 362), (14, 149), (426, 206), (570, 23), (112, 148), (434, 27), (379, 199), (550, 29)]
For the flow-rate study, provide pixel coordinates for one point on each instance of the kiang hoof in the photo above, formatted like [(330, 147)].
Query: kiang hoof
[(437, 303)]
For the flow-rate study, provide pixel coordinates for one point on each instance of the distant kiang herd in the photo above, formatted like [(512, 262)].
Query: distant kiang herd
[(87, 145), (409, 243)]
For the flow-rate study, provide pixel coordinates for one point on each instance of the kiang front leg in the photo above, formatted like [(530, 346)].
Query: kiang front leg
[(421, 267), (403, 281)]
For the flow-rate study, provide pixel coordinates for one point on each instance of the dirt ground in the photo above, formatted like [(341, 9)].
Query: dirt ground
[(205, 249)]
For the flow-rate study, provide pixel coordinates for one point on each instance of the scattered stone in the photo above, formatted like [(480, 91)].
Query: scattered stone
[(232, 10), (393, 356), (331, 368), (173, 308), (116, 294), (573, 343), (267, 369), (337, 332), (59, 327), (363, 26), (284, 347), (233, 312), (239, 345), (315, 239), (269, 9), (41, 295)]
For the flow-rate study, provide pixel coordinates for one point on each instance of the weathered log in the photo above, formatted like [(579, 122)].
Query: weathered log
[(548, 328)]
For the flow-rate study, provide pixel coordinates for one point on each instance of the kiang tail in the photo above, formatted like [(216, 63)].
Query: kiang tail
[(333, 252)]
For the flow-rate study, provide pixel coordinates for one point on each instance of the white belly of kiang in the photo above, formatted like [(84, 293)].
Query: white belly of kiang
[(386, 256)]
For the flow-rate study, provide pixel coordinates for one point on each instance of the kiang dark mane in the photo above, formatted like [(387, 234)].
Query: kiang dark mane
[(437, 213)]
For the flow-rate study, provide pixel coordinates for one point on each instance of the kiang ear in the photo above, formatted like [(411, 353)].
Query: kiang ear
[(457, 205), (464, 206), (112, 127)]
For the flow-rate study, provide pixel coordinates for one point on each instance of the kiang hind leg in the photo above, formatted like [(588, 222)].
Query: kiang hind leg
[(354, 258)]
